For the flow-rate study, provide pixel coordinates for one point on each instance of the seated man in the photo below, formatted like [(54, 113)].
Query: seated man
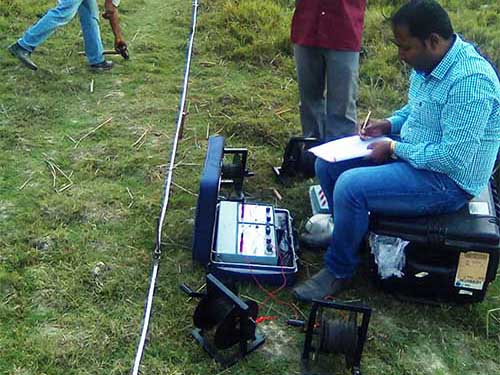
[(449, 138)]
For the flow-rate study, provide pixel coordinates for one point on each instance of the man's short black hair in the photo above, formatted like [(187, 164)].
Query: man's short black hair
[(423, 17)]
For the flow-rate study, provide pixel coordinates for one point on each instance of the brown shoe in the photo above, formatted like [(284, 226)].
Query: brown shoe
[(321, 285)]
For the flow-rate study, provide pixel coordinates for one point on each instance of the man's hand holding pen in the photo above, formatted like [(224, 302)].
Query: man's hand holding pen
[(374, 128), (382, 150)]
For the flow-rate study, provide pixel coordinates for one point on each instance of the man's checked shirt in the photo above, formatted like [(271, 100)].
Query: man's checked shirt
[(451, 123)]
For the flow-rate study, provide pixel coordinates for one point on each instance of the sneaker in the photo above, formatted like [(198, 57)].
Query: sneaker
[(105, 65), (318, 231), (320, 286), (23, 55)]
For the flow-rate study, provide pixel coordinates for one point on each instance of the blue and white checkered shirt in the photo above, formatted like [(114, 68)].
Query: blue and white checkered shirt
[(451, 123)]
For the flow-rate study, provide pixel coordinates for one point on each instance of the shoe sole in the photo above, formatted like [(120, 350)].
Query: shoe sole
[(100, 69)]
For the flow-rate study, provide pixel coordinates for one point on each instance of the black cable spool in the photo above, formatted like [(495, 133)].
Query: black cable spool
[(325, 335), (338, 336), (210, 312), (221, 316), (224, 321), (297, 160), (234, 172), (235, 169)]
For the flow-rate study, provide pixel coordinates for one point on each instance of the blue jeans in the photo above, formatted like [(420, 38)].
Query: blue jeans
[(64, 12), (336, 72), (355, 187)]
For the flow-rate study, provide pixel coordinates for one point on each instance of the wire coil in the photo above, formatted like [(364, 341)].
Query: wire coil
[(338, 336)]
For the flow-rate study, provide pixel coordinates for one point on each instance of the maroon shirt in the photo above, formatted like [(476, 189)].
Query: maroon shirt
[(333, 24)]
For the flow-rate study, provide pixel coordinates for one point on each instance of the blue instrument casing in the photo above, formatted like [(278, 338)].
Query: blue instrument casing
[(210, 242)]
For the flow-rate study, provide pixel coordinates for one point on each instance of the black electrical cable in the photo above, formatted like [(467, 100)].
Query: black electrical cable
[(338, 336), (165, 200)]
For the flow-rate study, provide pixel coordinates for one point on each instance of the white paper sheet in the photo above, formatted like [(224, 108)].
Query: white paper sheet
[(345, 148)]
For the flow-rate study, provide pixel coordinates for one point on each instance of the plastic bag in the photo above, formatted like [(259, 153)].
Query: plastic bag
[(389, 253)]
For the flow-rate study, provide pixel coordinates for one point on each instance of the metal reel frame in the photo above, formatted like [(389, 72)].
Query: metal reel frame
[(233, 173), (249, 337), (295, 163), (353, 361)]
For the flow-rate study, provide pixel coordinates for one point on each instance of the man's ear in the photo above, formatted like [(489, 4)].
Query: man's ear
[(433, 41)]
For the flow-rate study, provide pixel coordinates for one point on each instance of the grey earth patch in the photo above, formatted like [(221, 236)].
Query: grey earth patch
[(100, 268), (6, 209), (43, 244), (279, 342)]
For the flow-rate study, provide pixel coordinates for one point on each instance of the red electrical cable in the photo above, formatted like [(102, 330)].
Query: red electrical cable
[(272, 295)]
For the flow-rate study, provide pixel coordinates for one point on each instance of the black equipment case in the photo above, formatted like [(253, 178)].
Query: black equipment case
[(449, 258)]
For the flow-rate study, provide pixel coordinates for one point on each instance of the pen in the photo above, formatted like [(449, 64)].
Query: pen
[(366, 120)]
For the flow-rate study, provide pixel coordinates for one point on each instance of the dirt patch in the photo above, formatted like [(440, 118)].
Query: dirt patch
[(6, 210), (429, 360), (279, 342)]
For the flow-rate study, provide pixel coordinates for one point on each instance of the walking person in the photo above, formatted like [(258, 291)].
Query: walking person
[(327, 40), (60, 15)]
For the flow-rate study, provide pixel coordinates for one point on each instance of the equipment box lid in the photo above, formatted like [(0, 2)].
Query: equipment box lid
[(207, 201)]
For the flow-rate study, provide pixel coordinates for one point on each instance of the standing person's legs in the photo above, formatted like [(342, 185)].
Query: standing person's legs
[(89, 20), (341, 93), (54, 18), (310, 65)]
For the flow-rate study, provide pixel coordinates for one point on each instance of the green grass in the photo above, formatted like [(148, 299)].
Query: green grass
[(74, 265)]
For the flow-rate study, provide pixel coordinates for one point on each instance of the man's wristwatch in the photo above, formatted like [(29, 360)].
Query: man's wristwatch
[(393, 149)]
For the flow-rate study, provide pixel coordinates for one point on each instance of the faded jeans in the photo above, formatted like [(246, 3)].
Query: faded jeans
[(63, 13), (355, 187), (328, 88)]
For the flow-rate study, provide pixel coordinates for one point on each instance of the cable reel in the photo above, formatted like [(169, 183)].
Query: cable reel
[(234, 172), (338, 336), (222, 321), (297, 161), (325, 335)]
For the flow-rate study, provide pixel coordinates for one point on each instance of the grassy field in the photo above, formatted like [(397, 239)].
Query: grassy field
[(77, 219)]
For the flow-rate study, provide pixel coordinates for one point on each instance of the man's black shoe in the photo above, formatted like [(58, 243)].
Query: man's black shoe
[(321, 285), (105, 65), (23, 55)]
